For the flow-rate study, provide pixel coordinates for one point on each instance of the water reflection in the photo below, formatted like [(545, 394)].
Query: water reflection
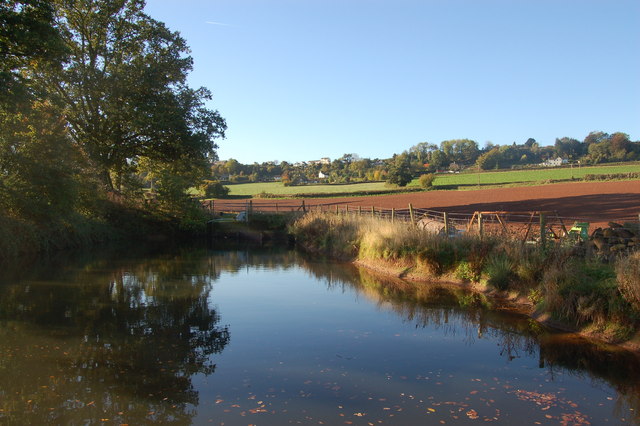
[(121, 337), (459, 311), (108, 340)]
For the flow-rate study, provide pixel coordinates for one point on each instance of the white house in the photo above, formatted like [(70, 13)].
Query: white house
[(556, 162), (322, 175)]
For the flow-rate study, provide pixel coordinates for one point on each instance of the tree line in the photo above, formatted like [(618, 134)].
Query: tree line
[(425, 158), (95, 106)]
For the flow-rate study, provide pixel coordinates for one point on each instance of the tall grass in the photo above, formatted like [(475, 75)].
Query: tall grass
[(628, 275), (563, 281)]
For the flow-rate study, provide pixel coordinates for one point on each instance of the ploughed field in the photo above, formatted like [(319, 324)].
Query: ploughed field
[(594, 202)]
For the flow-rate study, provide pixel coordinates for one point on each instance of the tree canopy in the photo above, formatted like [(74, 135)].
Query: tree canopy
[(123, 89)]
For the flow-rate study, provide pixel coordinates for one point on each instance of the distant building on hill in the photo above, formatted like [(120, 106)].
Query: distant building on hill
[(323, 160), (556, 162)]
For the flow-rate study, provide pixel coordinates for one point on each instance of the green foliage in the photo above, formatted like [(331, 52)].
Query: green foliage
[(28, 38), (490, 160), (613, 176), (499, 271), (400, 172), (40, 167), (465, 271), (123, 89), (214, 189), (426, 180), (461, 151)]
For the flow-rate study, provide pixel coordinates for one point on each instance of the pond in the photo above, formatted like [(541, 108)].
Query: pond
[(273, 337)]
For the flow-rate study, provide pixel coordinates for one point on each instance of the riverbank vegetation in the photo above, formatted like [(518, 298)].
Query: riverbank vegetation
[(567, 284)]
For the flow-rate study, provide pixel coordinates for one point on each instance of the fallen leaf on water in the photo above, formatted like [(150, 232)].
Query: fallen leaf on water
[(472, 414)]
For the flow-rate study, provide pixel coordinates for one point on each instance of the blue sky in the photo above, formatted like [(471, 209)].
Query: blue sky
[(303, 79)]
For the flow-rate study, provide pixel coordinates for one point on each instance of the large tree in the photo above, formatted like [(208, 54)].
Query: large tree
[(123, 91)]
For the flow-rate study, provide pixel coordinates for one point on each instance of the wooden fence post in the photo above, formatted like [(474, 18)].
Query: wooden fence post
[(543, 228), (373, 211), (276, 207), (480, 225), (359, 210), (413, 219), (393, 215), (446, 224), (337, 209), (304, 208)]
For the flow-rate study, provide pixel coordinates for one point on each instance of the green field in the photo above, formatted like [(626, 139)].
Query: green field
[(529, 176), (509, 177), (244, 189)]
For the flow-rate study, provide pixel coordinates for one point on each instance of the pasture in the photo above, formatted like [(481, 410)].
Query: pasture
[(510, 177), (248, 189), (442, 181)]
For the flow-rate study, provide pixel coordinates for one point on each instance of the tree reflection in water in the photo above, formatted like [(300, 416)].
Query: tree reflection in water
[(114, 342)]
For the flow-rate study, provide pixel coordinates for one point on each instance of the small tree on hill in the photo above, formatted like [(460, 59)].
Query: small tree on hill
[(400, 172)]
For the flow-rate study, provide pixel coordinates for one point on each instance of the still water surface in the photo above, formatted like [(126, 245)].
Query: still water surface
[(272, 337)]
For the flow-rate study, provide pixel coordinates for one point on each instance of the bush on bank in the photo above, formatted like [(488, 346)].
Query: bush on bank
[(566, 282)]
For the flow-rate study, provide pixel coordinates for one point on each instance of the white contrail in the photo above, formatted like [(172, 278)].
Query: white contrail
[(217, 23)]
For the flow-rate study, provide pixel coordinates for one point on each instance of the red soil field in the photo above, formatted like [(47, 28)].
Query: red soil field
[(595, 202)]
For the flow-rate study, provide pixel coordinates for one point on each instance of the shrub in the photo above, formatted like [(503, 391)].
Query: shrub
[(214, 189), (426, 181), (265, 194), (464, 271)]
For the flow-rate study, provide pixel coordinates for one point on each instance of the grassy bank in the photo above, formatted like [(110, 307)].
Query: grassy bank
[(567, 285)]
